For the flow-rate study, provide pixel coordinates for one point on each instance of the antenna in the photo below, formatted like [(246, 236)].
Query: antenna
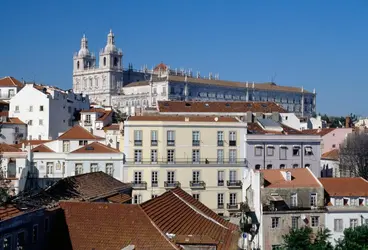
[(273, 77)]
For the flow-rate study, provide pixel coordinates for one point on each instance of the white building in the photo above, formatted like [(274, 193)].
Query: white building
[(9, 87), (316, 123), (74, 152), (13, 165), (330, 164), (12, 130), (347, 204), (46, 110)]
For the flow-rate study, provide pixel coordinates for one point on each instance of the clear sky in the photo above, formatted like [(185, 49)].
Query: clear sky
[(311, 43)]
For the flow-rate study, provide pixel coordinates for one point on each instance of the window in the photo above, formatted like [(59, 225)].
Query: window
[(338, 202), (296, 151), (66, 146), (313, 199), (294, 200), (270, 150), (308, 151), (295, 165), (232, 138), (361, 202), (269, 166), (138, 177), (138, 156), (93, 167), (170, 155), (220, 138), (233, 200), (7, 242), (196, 176), (220, 201), (88, 119), (154, 138), (78, 168), (154, 155), (232, 155), (104, 61), (232, 176), (282, 166), (220, 177), (220, 156), (137, 199), (170, 138), (16, 108), (195, 138), (137, 137), (154, 178), (170, 176), (69, 109), (283, 152), (30, 108), (49, 168), (21, 240), (294, 222), (30, 122), (333, 145), (40, 122), (154, 196), (275, 222), (338, 226), (196, 196), (195, 156), (258, 150), (34, 233), (314, 221), (82, 142), (109, 169), (16, 130), (346, 201), (258, 167), (307, 165)]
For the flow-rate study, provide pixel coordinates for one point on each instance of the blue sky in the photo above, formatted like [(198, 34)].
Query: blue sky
[(315, 44)]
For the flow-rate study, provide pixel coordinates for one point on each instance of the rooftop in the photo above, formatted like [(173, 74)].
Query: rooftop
[(219, 107), (77, 132), (42, 149), (319, 131), (331, 155), (345, 186), (112, 127), (177, 212), (300, 178), (95, 148), (9, 211), (112, 226), (8, 148), (9, 81), (263, 127), (30, 142), (182, 118)]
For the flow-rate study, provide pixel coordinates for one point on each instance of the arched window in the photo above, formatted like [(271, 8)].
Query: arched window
[(282, 166), (104, 61), (258, 167), (269, 166), (116, 61), (307, 165), (295, 166), (78, 65)]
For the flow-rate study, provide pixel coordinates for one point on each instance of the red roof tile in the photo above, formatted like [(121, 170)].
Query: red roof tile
[(345, 186), (112, 127), (111, 226), (301, 177), (105, 115), (218, 107), (331, 155), (9, 211), (94, 110), (173, 118), (255, 128), (161, 66), (8, 148), (119, 198), (320, 131), (14, 120), (95, 148), (10, 82), (77, 132), (42, 149), (178, 213)]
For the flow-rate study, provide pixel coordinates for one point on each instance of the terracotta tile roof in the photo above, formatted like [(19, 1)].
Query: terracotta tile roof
[(42, 149), (255, 128), (178, 213), (345, 186), (14, 120), (301, 177), (111, 226), (112, 127), (331, 155), (77, 132), (321, 132), (4, 113), (9, 211), (194, 239), (8, 148), (119, 198), (10, 82), (105, 115), (173, 118), (94, 110), (219, 107), (95, 148), (161, 66)]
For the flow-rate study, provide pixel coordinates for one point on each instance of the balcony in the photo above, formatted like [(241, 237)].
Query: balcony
[(186, 161), (232, 143), (196, 143), (6, 96), (154, 184), (138, 142), (170, 142), (233, 206), (220, 183), (220, 206), (220, 143), (171, 184), (142, 185), (87, 123), (154, 142), (197, 184), (234, 184)]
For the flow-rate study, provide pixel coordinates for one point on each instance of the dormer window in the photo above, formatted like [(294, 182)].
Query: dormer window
[(361, 202), (346, 202), (288, 176), (338, 202)]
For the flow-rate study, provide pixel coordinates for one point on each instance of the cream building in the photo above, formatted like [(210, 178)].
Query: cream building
[(202, 155)]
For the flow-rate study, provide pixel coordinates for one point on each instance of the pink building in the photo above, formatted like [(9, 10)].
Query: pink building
[(331, 137)]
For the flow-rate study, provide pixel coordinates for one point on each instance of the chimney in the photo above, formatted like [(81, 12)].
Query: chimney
[(275, 116), (249, 117), (348, 122)]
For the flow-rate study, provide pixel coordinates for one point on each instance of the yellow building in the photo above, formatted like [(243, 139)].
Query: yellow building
[(203, 155)]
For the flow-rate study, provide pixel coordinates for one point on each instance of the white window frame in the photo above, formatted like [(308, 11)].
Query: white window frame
[(154, 156), (314, 221), (275, 222), (154, 178), (294, 200), (109, 169), (138, 176), (338, 225), (313, 199)]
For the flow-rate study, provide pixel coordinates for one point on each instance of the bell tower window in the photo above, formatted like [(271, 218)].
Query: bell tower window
[(116, 61), (78, 65), (104, 61)]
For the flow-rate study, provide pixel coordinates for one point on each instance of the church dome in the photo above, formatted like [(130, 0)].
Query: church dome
[(110, 46), (83, 52)]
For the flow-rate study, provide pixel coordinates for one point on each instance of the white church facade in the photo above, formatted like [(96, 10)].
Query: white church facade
[(130, 91)]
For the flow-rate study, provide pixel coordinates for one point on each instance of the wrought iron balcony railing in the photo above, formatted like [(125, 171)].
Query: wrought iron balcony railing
[(141, 185), (234, 184), (197, 184)]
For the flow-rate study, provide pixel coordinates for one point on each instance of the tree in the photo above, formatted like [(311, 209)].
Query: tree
[(4, 185), (304, 238), (354, 155), (354, 238)]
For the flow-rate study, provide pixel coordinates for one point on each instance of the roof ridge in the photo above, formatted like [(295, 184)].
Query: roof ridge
[(315, 177)]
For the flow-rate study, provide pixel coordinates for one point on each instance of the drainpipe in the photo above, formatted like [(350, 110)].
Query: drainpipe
[(302, 155), (264, 155)]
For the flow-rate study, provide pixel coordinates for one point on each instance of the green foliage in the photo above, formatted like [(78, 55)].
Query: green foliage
[(354, 238), (304, 238)]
